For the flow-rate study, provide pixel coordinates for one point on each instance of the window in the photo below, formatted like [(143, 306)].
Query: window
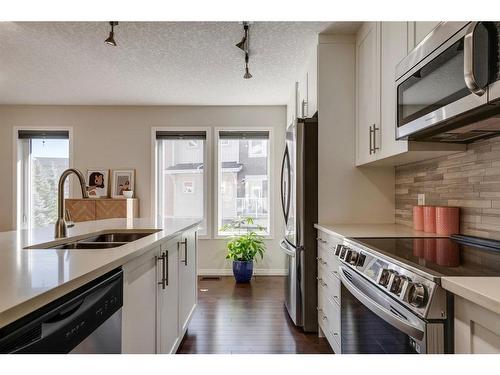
[(181, 175), (257, 148), (243, 178), (43, 156)]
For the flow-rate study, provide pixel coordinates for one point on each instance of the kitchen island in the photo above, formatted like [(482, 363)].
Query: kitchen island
[(32, 278)]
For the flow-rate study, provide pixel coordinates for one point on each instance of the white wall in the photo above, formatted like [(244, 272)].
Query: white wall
[(120, 137), (346, 194)]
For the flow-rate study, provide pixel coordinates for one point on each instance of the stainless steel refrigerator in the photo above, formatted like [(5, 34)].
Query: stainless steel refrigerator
[(299, 199)]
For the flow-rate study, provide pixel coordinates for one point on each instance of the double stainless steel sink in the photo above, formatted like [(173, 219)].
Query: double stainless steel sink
[(101, 240)]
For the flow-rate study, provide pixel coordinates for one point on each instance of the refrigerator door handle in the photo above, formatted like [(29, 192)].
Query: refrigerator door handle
[(284, 246), (285, 205)]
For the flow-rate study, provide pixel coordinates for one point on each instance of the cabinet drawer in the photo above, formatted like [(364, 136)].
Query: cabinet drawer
[(329, 288)]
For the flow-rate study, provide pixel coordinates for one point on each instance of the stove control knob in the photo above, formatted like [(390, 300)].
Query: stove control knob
[(417, 295), (385, 276), (397, 284), (353, 258)]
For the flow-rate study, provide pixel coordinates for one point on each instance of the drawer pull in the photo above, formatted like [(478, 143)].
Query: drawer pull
[(321, 240), (320, 311), (337, 299)]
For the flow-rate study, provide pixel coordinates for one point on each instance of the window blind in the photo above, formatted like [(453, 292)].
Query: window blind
[(43, 134), (181, 135), (244, 135)]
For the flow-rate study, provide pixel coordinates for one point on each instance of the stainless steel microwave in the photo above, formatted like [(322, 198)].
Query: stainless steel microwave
[(448, 87)]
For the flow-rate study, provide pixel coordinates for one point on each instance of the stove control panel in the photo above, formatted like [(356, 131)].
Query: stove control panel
[(410, 289)]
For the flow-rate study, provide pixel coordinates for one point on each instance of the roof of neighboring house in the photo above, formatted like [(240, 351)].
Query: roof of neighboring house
[(192, 167)]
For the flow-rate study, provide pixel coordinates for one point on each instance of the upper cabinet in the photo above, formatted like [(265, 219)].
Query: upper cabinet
[(380, 46), (367, 92), (303, 101), (418, 30)]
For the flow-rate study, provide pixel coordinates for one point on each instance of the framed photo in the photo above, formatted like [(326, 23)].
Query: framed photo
[(123, 180), (98, 183)]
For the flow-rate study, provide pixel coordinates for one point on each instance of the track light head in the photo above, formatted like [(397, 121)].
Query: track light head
[(247, 74), (243, 45), (111, 38)]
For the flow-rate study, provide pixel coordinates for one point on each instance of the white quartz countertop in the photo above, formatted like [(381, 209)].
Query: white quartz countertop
[(483, 291), (31, 278), (372, 230)]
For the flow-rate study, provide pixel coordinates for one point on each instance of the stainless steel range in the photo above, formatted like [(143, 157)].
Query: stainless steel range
[(391, 298)]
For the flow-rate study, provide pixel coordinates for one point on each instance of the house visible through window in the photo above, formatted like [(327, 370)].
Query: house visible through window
[(43, 156), (243, 175), (181, 175)]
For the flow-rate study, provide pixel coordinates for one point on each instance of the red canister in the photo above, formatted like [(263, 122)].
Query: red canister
[(418, 217), (447, 220), (430, 219)]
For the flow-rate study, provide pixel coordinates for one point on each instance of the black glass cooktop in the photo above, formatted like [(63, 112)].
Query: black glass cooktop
[(454, 256)]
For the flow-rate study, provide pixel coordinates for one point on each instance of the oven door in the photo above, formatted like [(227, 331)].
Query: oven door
[(374, 323), (446, 83)]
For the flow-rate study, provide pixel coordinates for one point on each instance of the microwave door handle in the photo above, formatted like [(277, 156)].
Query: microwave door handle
[(381, 311), (469, 77)]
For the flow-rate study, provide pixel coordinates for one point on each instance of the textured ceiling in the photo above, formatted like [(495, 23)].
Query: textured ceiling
[(155, 63)]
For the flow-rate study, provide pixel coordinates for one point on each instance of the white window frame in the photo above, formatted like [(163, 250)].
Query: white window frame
[(17, 169), (217, 176), (207, 173)]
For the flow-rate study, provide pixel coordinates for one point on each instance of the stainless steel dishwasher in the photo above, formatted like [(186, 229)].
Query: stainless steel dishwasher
[(87, 320)]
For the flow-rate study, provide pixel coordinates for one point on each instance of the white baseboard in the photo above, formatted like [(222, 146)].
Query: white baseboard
[(229, 272)]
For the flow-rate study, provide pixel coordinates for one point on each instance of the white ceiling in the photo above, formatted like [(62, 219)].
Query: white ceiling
[(155, 63)]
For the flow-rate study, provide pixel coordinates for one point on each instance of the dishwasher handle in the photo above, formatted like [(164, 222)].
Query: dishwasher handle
[(69, 321)]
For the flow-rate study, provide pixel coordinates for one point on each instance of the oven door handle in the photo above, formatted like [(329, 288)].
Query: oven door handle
[(382, 312)]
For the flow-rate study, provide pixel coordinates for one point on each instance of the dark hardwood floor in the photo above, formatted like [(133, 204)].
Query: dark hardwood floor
[(246, 318)]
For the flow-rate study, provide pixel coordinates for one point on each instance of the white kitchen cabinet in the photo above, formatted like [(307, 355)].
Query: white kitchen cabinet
[(139, 304), (380, 46), (160, 295), (393, 48), (367, 92), (188, 290), (329, 290), (418, 30), (168, 298), (477, 330)]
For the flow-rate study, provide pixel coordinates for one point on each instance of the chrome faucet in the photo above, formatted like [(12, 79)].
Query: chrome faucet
[(61, 222)]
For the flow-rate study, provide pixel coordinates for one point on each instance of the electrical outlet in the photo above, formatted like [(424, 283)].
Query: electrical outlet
[(421, 199)]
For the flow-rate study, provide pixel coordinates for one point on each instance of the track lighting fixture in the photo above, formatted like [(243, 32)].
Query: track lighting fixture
[(111, 37), (244, 45), (247, 73)]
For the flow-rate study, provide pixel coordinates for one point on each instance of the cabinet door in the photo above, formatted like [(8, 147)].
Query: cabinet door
[(139, 304), (168, 298), (188, 290), (418, 30), (394, 45), (367, 90)]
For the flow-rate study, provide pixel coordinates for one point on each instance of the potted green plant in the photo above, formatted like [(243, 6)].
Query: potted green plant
[(243, 247)]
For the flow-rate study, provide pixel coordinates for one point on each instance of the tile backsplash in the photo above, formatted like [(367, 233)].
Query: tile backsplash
[(469, 180)]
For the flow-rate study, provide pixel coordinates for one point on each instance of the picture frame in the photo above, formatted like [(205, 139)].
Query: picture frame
[(123, 180), (98, 182)]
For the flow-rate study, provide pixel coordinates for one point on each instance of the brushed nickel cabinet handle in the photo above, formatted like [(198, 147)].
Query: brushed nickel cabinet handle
[(185, 243), (371, 142), (375, 147), (165, 265), (162, 282)]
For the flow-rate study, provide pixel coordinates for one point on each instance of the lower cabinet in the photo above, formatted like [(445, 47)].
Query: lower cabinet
[(187, 286), (477, 330), (167, 318), (160, 293), (329, 290)]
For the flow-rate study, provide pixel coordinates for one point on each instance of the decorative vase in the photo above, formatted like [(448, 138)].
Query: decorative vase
[(242, 270)]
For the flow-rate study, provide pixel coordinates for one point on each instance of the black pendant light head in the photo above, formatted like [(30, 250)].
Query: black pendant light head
[(244, 45), (111, 37)]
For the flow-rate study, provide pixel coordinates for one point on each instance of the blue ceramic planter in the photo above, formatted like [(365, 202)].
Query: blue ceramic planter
[(242, 270)]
